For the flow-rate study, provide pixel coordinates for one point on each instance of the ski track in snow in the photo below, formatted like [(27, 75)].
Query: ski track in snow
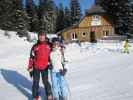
[(95, 72)]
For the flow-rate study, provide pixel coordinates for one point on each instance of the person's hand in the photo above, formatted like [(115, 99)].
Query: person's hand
[(63, 64), (63, 71), (50, 66), (30, 70)]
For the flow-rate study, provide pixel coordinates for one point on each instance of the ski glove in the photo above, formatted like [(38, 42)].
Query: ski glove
[(30, 72), (50, 66), (63, 72)]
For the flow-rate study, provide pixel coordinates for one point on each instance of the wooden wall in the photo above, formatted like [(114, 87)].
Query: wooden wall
[(84, 29)]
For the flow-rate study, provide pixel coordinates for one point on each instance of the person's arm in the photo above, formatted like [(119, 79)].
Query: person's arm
[(31, 60), (62, 61), (64, 71), (50, 66)]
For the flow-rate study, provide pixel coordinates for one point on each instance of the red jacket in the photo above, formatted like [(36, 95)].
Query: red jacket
[(39, 56)]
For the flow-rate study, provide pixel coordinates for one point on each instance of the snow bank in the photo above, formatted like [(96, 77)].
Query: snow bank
[(13, 50)]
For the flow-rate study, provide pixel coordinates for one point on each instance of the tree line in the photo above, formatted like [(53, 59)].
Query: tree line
[(15, 15), (47, 16), (121, 11)]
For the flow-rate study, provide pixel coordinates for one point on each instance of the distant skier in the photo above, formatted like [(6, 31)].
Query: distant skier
[(126, 46), (60, 89), (38, 64)]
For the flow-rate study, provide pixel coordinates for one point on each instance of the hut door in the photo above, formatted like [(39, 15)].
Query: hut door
[(92, 37)]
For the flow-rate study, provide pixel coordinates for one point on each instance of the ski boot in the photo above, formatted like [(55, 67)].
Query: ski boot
[(37, 98), (49, 97)]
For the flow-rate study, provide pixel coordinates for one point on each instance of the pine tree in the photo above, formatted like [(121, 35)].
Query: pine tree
[(121, 13), (9, 15), (52, 15), (20, 18), (41, 8), (60, 25), (75, 11), (22, 23), (35, 23), (6, 13), (130, 16), (67, 17), (30, 11), (48, 16)]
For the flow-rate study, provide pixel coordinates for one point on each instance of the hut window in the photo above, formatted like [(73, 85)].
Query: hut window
[(106, 33), (84, 34), (74, 36), (96, 17), (96, 20)]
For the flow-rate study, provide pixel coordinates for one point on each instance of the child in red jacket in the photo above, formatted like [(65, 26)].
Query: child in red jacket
[(38, 64)]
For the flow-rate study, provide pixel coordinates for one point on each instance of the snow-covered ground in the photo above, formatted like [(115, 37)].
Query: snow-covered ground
[(95, 71)]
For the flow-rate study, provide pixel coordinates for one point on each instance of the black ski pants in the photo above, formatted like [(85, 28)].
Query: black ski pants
[(36, 79)]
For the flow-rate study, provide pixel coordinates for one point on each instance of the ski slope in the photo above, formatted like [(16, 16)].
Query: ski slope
[(95, 72)]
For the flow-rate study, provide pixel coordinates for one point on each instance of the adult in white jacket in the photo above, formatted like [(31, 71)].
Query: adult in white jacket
[(59, 85)]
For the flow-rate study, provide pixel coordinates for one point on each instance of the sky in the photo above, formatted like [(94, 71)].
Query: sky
[(85, 4)]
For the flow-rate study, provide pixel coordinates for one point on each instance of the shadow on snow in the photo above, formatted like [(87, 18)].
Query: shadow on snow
[(20, 82)]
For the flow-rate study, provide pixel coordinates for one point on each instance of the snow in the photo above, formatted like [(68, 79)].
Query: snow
[(33, 36), (95, 71), (102, 75)]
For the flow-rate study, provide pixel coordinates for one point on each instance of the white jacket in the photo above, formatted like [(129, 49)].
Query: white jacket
[(56, 59)]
